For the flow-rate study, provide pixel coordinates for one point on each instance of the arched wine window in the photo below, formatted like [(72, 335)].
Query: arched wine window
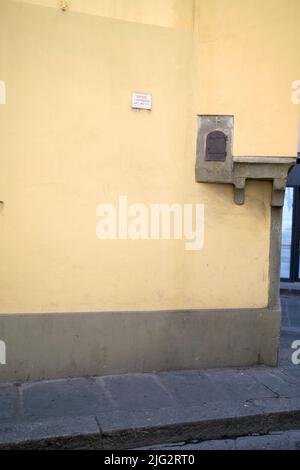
[(216, 147)]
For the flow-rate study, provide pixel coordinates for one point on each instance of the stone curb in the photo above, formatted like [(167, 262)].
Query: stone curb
[(87, 432)]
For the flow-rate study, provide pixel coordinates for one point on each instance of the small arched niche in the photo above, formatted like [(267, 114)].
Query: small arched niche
[(216, 147)]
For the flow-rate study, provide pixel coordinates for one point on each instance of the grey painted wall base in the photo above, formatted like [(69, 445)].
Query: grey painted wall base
[(50, 346)]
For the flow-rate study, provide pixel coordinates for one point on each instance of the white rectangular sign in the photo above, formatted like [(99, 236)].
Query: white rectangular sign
[(2, 353), (141, 101)]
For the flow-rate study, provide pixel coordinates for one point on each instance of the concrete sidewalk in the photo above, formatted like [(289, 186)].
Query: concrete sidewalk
[(130, 411)]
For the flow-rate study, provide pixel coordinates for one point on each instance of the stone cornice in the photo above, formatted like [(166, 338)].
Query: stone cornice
[(237, 170), (273, 169)]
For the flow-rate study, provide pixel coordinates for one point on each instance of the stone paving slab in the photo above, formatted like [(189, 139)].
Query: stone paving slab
[(136, 392), (8, 402), (56, 398), (130, 410), (277, 381), (213, 386), (290, 310)]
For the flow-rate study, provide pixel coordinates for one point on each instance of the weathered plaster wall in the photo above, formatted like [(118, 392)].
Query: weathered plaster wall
[(70, 141), (177, 14), (248, 58)]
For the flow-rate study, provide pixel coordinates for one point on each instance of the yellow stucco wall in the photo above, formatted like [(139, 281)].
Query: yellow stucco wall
[(70, 141), (248, 58), (166, 13)]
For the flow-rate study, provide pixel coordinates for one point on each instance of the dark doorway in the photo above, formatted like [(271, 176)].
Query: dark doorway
[(290, 245)]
